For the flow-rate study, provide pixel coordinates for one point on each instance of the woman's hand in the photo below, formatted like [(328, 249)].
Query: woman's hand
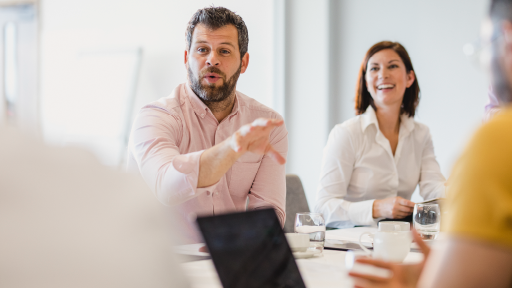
[(403, 275), (394, 208)]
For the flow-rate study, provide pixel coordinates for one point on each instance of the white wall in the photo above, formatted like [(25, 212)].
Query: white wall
[(434, 32), (158, 26), (307, 64), (324, 43), (453, 89)]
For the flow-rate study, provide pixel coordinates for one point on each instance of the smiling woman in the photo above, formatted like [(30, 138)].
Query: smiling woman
[(373, 162), (398, 57)]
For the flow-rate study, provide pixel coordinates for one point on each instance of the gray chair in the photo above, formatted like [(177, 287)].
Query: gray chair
[(295, 201)]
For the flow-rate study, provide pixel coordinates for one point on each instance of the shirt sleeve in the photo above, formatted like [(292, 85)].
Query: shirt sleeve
[(431, 179), (479, 203), (337, 166), (154, 142), (269, 186)]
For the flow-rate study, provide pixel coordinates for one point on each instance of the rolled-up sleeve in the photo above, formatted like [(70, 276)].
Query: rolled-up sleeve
[(431, 179), (337, 166), (269, 187), (154, 143)]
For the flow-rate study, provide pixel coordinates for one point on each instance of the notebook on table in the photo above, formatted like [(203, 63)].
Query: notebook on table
[(249, 249)]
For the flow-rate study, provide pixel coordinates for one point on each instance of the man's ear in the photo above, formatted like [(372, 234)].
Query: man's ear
[(410, 78), (245, 62), (507, 32), (186, 58)]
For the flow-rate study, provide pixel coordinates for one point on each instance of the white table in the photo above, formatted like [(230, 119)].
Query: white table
[(323, 271)]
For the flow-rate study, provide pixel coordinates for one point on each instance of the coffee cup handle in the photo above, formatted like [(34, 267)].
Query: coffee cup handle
[(361, 244)]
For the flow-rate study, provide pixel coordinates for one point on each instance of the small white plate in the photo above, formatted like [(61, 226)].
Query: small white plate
[(306, 254)]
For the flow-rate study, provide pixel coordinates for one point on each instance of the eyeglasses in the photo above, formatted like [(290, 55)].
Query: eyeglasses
[(479, 51)]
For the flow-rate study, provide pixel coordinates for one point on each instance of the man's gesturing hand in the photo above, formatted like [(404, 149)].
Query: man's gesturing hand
[(254, 138), (395, 208)]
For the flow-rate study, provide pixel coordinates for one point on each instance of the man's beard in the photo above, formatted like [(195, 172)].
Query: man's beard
[(209, 93)]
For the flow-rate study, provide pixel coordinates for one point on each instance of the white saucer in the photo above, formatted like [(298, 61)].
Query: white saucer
[(306, 254)]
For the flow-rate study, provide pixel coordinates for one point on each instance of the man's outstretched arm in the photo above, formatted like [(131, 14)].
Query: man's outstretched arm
[(174, 177)]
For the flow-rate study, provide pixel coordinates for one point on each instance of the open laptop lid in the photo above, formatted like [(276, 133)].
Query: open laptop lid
[(249, 249)]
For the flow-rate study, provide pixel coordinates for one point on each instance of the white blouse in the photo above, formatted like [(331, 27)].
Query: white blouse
[(359, 167)]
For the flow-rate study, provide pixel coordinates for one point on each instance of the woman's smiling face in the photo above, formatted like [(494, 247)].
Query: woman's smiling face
[(387, 78)]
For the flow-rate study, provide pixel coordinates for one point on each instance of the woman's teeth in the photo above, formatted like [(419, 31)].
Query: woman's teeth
[(385, 86)]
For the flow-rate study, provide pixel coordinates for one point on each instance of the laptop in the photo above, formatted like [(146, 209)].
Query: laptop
[(249, 249)]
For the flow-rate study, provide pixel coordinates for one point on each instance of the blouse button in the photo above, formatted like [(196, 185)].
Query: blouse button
[(208, 193)]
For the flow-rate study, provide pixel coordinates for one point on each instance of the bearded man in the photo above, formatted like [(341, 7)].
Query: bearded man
[(209, 149)]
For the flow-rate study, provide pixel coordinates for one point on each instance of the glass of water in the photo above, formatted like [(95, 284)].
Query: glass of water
[(427, 220), (314, 225)]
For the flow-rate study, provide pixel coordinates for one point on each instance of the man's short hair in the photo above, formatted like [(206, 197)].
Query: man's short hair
[(215, 18), (501, 10)]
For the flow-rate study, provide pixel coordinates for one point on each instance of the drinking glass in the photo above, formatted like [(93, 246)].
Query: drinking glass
[(314, 225), (427, 220)]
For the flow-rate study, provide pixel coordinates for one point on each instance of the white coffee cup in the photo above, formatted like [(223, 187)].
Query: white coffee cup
[(298, 242), (352, 266), (394, 226), (390, 246)]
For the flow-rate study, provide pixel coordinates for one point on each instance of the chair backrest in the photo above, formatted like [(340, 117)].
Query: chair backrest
[(295, 201)]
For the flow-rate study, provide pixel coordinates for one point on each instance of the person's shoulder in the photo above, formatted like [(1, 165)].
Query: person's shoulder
[(254, 106), (352, 126), (495, 134), (169, 105), (349, 131), (420, 131), (420, 126)]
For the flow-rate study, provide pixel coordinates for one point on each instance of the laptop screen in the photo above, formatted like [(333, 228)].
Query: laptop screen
[(249, 249)]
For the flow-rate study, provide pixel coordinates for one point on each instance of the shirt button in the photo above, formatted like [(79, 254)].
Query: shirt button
[(208, 193)]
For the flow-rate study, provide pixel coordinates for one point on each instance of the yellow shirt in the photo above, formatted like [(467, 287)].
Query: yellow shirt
[(480, 195)]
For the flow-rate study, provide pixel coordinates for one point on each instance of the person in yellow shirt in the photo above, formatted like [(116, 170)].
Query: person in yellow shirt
[(477, 251)]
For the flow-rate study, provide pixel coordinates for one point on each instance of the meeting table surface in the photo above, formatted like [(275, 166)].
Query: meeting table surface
[(326, 270)]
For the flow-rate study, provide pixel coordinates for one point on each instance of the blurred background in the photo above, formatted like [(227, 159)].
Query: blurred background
[(76, 72)]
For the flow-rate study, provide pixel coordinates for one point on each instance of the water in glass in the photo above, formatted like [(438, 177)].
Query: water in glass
[(314, 225), (427, 220)]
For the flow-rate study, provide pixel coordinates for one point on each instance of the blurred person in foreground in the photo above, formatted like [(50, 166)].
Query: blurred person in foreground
[(477, 250), (68, 221), (493, 105), (373, 162), (208, 147)]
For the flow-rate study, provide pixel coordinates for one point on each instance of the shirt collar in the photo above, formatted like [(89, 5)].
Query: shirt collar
[(369, 117), (407, 123), (201, 109), (197, 105)]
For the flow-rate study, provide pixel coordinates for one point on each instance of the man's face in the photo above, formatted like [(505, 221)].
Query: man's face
[(213, 62), (496, 57)]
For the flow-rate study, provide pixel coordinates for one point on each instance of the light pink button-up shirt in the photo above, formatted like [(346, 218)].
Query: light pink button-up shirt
[(167, 140)]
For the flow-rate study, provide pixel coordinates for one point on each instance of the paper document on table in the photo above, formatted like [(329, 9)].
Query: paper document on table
[(432, 201), (351, 235)]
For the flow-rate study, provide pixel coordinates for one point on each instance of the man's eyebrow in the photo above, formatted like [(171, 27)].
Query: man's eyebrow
[(206, 42), (228, 43)]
